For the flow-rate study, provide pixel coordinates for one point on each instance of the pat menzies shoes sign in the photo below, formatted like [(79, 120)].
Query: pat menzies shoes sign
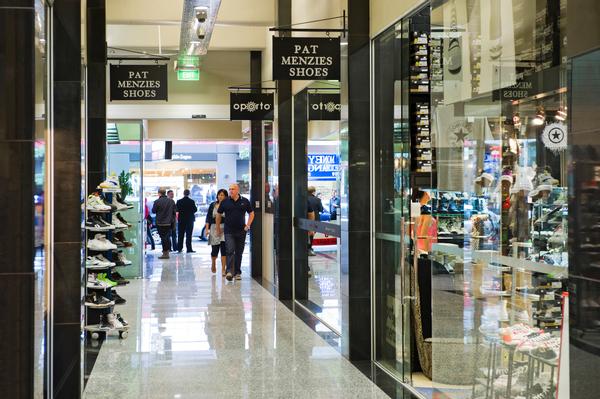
[(138, 82), (306, 58)]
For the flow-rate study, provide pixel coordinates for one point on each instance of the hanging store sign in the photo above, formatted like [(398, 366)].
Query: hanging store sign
[(251, 106), (554, 137), (138, 82), (306, 58), (325, 167), (324, 107)]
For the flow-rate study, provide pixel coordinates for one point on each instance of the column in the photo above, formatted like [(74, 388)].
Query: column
[(358, 263), (283, 204), (16, 178), (96, 91), (67, 200), (256, 172)]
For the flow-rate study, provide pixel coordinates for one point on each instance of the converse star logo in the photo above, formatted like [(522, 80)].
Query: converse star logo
[(554, 136)]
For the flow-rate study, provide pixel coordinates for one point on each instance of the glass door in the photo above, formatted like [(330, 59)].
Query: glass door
[(392, 224)]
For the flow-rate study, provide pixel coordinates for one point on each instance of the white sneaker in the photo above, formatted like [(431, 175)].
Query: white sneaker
[(104, 261), (111, 182), (122, 258), (93, 282), (113, 321), (94, 203), (118, 224), (120, 206), (100, 243)]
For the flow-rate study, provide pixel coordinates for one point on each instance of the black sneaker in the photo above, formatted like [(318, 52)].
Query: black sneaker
[(116, 277), (119, 300), (122, 220), (121, 201), (229, 277), (122, 320), (94, 300), (104, 323)]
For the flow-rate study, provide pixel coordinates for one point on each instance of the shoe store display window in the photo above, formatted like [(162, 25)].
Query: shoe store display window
[(498, 199)]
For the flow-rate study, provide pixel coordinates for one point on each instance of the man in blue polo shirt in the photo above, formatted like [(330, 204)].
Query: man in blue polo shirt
[(235, 208)]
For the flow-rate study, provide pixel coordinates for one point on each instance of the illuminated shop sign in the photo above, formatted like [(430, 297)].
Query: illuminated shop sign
[(324, 107), (306, 58), (323, 166), (138, 82)]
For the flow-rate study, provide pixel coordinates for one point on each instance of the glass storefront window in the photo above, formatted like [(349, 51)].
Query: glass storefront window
[(499, 255)]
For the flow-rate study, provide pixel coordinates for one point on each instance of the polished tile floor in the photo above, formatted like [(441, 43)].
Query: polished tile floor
[(324, 286), (193, 335)]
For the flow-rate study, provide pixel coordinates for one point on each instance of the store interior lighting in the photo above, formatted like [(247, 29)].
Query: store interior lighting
[(197, 24)]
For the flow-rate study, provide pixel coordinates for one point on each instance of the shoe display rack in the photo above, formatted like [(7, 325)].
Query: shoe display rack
[(103, 226), (419, 102)]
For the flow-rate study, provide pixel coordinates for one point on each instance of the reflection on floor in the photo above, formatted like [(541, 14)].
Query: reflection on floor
[(324, 286), (193, 335)]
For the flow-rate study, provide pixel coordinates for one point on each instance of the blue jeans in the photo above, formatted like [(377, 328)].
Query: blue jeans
[(234, 245)]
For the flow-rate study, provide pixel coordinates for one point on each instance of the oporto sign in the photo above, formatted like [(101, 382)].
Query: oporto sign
[(138, 82), (306, 58), (251, 106), (324, 107)]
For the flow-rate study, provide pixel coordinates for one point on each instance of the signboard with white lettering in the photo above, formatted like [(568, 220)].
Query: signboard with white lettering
[(138, 82), (524, 88), (325, 167), (306, 58), (251, 106), (324, 107)]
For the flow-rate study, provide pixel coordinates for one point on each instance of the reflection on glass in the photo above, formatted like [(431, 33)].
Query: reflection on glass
[(499, 266)]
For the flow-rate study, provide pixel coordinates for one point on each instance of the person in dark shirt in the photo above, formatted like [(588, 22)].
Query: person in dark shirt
[(235, 208), (334, 205), (171, 195), (187, 215), (164, 208), (317, 207)]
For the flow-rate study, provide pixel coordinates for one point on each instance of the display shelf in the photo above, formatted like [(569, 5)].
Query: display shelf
[(95, 306), (491, 256)]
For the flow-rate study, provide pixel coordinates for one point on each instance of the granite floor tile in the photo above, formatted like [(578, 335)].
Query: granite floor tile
[(194, 335)]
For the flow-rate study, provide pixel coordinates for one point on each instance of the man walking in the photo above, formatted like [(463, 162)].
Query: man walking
[(317, 207), (187, 215), (171, 196), (235, 208), (164, 208)]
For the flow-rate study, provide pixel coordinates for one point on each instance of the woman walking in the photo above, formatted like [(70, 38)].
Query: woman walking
[(216, 241)]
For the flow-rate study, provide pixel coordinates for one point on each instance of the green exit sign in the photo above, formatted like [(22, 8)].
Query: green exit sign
[(188, 74)]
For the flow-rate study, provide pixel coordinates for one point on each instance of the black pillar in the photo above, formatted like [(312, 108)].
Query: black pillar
[(358, 233), (283, 204), (256, 164), (16, 179), (67, 199), (301, 193), (96, 92)]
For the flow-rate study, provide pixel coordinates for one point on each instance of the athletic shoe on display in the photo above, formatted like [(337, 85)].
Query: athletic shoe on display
[(92, 225), (104, 261), (111, 182), (100, 243), (517, 333), (123, 259), (95, 300), (104, 324), (113, 322), (113, 208), (118, 205), (533, 342), (103, 278), (122, 220), (93, 282), (119, 225), (119, 300), (92, 263), (122, 320), (120, 280), (100, 220), (95, 204), (120, 200)]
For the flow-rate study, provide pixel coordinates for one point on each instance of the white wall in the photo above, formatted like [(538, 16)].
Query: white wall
[(386, 12)]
